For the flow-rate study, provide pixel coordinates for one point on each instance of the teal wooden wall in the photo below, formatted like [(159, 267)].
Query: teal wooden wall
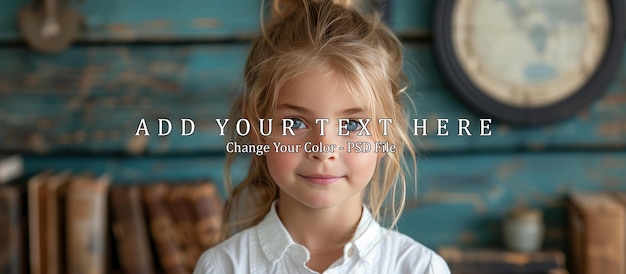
[(79, 110)]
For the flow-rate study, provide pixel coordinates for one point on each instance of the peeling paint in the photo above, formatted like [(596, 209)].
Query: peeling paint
[(167, 68), (613, 162), (99, 135), (507, 169), (503, 129), (121, 31), (32, 79), (44, 124), (87, 81), (38, 143), (612, 129), (127, 99), (613, 99), (137, 144), (164, 145), (109, 102), (157, 24), (467, 237), (535, 146), (5, 86), (79, 136), (495, 194), (114, 134), (472, 199), (611, 183), (65, 138), (583, 115), (205, 23)]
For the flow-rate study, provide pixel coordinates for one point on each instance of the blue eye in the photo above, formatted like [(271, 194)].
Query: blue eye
[(297, 123), (353, 125)]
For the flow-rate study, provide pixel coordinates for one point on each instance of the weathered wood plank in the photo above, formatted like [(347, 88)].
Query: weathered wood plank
[(475, 191), (160, 20), (92, 99), (601, 124), (152, 20), (411, 18), (472, 191)]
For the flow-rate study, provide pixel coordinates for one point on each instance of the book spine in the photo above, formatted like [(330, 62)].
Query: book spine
[(130, 231), (162, 229), (11, 244), (86, 223), (597, 225), (55, 222), (182, 215), (207, 206), (36, 221)]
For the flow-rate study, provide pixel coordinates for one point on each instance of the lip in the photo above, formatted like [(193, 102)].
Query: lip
[(321, 179)]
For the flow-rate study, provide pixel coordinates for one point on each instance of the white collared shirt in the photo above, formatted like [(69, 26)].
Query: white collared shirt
[(268, 248)]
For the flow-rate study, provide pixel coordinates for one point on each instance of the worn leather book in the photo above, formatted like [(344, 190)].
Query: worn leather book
[(163, 230), (36, 222), (487, 261), (86, 224), (184, 221), (11, 239), (130, 230), (55, 222), (597, 238), (207, 207)]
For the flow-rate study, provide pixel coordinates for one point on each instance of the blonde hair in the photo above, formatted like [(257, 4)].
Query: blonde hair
[(305, 35)]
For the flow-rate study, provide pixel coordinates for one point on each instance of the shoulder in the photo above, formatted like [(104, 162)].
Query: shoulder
[(227, 256), (412, 256)]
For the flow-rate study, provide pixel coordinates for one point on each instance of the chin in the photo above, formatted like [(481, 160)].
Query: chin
[(318, 203)]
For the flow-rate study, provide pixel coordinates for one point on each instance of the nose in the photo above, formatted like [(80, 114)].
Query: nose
[(321, 148), (322, 156)]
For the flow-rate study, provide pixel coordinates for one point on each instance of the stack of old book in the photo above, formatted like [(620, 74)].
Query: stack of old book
[(496, 261), (12, 252), (597, 222), (183, 220), (79, 223)]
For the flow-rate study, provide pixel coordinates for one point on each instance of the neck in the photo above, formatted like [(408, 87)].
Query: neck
[(319, 229)]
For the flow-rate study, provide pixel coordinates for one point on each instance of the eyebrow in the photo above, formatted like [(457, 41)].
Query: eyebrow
[(345, 112)]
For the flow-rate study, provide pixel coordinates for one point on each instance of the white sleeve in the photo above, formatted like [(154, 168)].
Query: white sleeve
[(437, 265)]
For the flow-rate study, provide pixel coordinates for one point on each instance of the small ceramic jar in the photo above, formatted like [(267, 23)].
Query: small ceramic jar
[(523, 230)]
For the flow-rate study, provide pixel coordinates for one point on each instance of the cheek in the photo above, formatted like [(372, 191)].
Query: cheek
[(281, 165), (365, 163)]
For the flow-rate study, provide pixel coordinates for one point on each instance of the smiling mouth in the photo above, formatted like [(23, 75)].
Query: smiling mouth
[(322, 179)]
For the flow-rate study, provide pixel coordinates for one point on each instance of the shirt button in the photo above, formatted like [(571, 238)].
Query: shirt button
[(350, 251)]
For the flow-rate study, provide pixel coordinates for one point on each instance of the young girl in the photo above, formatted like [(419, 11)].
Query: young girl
[(331, 82)]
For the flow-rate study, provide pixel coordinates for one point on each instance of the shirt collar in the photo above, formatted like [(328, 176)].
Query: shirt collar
[(275, 239), (273, 236), (368, 233)]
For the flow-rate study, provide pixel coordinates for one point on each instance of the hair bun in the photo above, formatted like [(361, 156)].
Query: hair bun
[(284, 7)]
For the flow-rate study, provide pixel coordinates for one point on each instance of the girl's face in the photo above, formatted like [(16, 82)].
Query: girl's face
[(319, 179)]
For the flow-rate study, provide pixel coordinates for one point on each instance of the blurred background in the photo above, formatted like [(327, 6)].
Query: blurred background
[(74, 101)]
